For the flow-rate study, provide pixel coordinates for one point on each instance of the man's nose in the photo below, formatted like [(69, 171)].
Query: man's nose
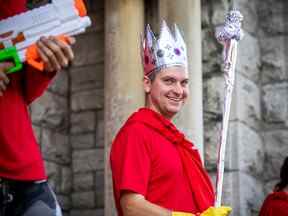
[(178, 89)]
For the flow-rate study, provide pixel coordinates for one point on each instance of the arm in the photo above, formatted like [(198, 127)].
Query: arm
[(133, 204)]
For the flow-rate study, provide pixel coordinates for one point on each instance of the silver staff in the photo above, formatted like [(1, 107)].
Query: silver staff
[(229, 34)]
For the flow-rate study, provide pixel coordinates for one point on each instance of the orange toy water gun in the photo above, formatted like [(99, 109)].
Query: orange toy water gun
[(18, 34)]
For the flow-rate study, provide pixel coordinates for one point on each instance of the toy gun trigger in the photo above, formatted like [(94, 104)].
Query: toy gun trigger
[(33, 58), (11, 54)]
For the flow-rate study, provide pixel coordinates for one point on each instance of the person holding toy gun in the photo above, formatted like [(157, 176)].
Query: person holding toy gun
[(23, 182)]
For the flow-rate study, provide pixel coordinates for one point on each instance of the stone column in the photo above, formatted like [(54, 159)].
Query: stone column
[(187, 15), (124, 21)]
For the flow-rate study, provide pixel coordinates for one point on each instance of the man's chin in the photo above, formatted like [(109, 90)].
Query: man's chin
[(174, 110)]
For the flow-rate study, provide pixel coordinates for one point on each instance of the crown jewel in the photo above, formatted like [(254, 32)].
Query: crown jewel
[(169, 50)]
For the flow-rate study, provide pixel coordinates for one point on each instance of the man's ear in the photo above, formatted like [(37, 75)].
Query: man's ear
[(147, 84)]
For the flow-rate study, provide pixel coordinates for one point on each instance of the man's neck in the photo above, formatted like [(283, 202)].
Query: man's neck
[(150, 106)]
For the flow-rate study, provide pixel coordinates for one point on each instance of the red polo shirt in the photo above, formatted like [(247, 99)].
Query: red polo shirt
[(144, 162), (276, 204), (20, 157)]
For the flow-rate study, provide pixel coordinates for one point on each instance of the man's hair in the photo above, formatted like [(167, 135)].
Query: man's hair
[(152, 75), (283, 176)]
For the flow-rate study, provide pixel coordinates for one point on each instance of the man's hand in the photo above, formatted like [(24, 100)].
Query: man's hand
[(4, 80), (220, 211), (55, 54)]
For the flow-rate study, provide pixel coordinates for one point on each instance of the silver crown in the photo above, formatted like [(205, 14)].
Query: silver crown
[(169, 50)]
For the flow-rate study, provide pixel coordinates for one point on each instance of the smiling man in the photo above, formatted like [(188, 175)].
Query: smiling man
[(156, 170)]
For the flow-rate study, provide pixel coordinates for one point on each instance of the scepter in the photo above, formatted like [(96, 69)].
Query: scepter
[(228, 35)]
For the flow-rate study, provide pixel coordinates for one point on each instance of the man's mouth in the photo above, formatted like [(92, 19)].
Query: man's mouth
[(175, 99)]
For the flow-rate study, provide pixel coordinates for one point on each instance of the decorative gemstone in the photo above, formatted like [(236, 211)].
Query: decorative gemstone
[(160, 53), (146, 59), (177, 51)]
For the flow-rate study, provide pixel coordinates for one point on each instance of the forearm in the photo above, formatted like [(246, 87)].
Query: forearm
[(136, 205)]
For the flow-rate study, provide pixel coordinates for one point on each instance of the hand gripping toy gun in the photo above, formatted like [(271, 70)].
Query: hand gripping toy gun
[(18, 34)]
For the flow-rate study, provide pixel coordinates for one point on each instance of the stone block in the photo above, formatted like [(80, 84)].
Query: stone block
[(218, 11), (83, 141), (276, 149), (275, 103), (66, 180), (87, 77), (246, 102), (100, 186), (54, 175), (274, 57), (211, 142), (272, 17), (64, 202), (87, 100), (248, 60), (60, 83), (213, 95), (50, 110), (88, 160), (211, 53), (250, 14), (209, 45), (93, 5), (83, 122), (90, 49), (83, 182), (97, 19), (100, 129), (245, 150), (89, 212), (83, 200), (243, 192), (55, 147), (269, 185), (205, 18), (37, 132)]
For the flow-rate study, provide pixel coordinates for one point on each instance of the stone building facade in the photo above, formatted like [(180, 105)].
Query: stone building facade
[(75, 131)]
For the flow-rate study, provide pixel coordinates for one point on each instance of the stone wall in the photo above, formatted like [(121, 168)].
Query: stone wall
[(273, 34), (68, 122), (86, 115), (244, 155), (258, 134)]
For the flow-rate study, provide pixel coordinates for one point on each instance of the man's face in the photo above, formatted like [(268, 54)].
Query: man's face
[(167, 93)]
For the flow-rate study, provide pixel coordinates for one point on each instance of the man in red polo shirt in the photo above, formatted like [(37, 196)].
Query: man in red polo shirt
[(276, 203), (23, 187), (156, 171)]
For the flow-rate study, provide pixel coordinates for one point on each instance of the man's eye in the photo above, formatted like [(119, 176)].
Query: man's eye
[(184, 83), (168, 81)]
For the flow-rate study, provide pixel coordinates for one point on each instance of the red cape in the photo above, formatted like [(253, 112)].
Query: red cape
[(276, 204), (199, 181)]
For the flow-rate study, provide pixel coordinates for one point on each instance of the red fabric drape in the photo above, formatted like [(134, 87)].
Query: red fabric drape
[(199, 181)]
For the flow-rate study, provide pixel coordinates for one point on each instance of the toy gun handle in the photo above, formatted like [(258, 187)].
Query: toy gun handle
[(11, 54), (33, 58)]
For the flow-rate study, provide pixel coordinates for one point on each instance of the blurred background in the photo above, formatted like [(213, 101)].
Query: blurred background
[(76, 119)]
